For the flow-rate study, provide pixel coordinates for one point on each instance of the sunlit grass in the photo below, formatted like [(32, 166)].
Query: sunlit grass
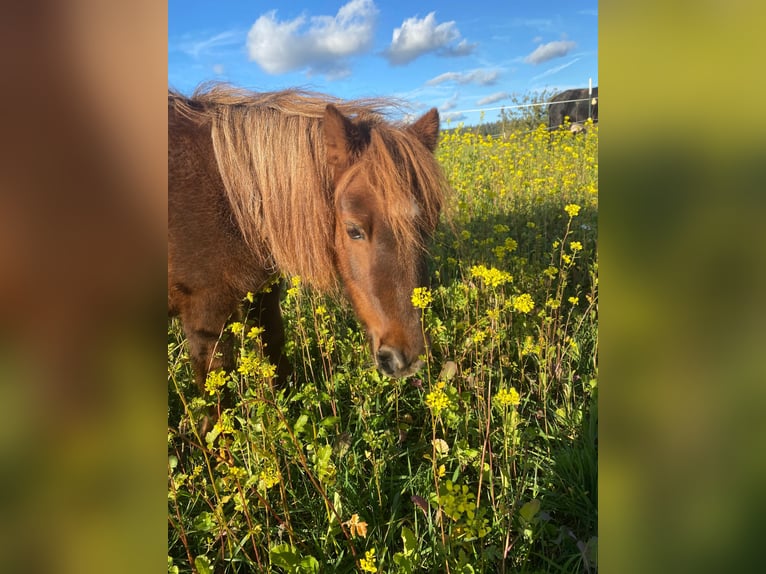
[(483, 462)]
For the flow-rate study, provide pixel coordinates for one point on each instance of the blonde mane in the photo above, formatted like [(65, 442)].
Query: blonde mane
[(272, 160)]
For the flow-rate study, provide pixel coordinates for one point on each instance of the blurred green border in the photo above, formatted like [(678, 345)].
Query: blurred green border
[(682, 197)]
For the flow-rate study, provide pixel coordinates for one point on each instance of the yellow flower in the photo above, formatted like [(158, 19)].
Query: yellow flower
[(551, 272), (574, 300), (479, 336), (269, 476), (254, 332), (529, 347), (492, 277), (524, 303), (508, 397), (215, 380), (268, 370), (295, 281), (368, 562), (575, 246), (572, 209), (437, 400), (421, 297), (575, 347)]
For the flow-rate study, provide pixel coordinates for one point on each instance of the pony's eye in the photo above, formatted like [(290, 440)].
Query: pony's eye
[(354, 232)]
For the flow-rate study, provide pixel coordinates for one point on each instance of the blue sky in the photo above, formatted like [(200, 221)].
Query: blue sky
[(456, 56)]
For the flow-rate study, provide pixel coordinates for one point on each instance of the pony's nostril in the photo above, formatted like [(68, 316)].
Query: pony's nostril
[(390, 361)]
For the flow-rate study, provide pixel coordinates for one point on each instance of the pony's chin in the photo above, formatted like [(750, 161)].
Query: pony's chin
[(414, 367), (393, 363)]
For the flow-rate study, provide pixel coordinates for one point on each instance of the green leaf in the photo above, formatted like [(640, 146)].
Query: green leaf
[(309, 565), (300, 424), (285, 556), (403, 562), (203, 566), (410, 542), (529, 510), (204, 522)]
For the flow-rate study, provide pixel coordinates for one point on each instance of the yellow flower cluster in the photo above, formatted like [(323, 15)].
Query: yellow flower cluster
[(295, 281), (527, 168), (254, 366), (215, 381), (368, 562), (492, 277), (254, 333), (479, 336), (421, 297), (572, 209), (437, 400), (523, 303), (268, 477), (508, 397), (529, 347)]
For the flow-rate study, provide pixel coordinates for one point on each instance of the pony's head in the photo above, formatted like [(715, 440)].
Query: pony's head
[(387, 197)]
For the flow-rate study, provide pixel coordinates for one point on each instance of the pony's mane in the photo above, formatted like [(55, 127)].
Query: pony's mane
[(271, 155)]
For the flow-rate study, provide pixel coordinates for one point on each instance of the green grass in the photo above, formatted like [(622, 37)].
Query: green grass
[(486, 461)]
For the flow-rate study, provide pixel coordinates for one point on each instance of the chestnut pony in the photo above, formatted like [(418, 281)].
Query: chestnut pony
[(295, 183)]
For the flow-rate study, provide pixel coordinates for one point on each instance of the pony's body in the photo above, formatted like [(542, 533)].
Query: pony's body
[(290, 183)]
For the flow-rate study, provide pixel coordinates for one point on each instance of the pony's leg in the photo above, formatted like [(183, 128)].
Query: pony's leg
[(210, 348), (267, 314)]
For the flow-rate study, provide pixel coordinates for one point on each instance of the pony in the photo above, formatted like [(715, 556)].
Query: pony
[(263, 185), (578, 105)]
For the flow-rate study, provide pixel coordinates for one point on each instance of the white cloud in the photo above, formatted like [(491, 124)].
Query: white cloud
[(453, 117), (481, 77), (549, 51), (319, 44), (555, 70), (492, 98), (199, 48), (416, 37), (462, 49), (450, 104)]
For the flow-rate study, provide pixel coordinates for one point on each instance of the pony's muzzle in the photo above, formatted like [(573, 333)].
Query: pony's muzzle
[(392, 362)]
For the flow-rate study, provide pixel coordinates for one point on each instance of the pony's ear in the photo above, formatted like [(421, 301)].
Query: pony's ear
[(426, 129), (339, 135)]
